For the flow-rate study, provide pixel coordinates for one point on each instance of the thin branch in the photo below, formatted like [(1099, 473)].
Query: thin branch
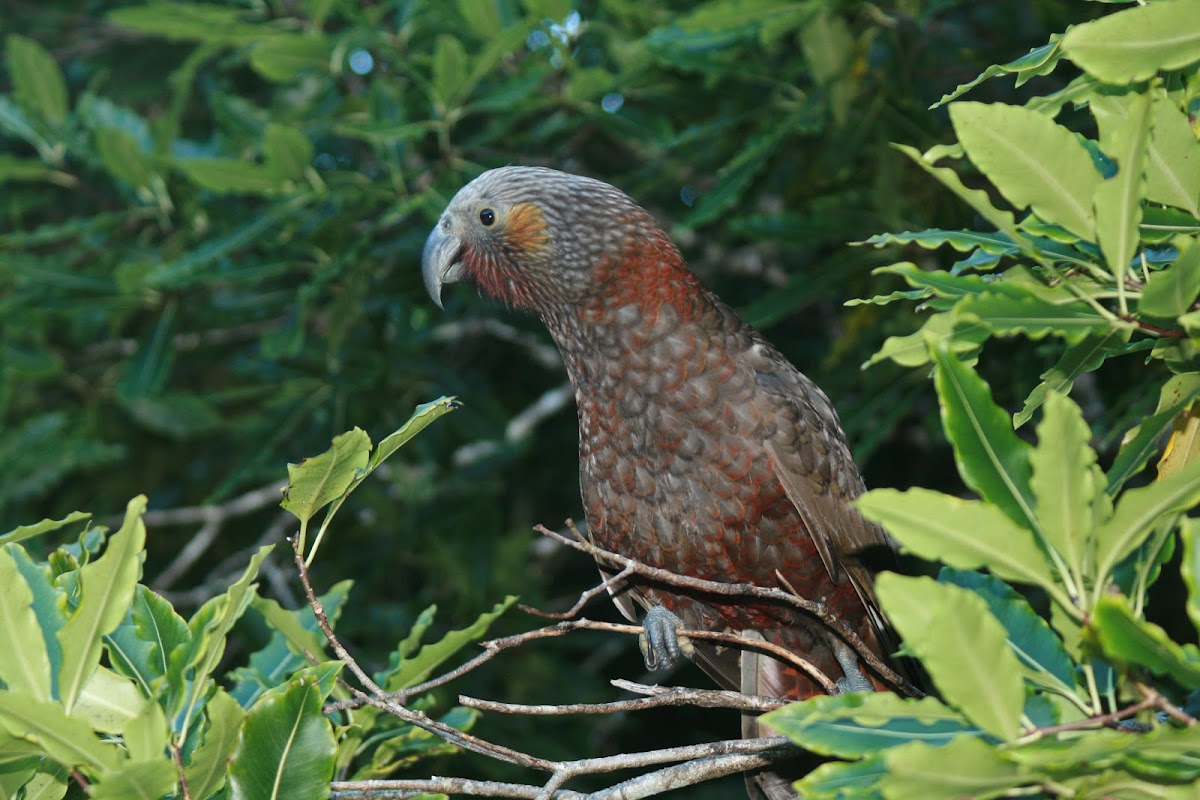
[(1164, 705), (686, 774), (394, 790), (584, 597), (213, 518), (742, 590), (659, 696)]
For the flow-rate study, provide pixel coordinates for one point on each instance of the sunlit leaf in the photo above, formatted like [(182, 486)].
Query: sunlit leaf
[(1134, 44)]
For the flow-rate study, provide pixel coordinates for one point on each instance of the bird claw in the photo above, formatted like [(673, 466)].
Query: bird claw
[(661, 645), (852, 680)]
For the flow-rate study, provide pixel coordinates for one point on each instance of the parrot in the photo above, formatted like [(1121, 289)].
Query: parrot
[(702, 449)]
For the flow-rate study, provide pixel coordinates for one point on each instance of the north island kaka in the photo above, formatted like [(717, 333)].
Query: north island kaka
[(702, 450)]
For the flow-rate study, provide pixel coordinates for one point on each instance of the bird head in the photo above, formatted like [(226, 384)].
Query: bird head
[(536, 238)]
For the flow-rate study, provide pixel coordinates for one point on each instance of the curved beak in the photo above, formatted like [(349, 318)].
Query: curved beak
[(440, 262)]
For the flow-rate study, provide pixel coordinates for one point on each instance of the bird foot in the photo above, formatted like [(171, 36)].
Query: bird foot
[(662, 646), (852, 680)]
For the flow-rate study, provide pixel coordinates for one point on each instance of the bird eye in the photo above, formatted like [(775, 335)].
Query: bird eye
[(487, 216)]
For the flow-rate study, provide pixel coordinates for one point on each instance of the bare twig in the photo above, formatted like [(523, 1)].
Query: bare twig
[(393, 790), (688, 774), (551, 401), (584, 597), (660, 696), (738, 589), (1164, 705), (213, 518)]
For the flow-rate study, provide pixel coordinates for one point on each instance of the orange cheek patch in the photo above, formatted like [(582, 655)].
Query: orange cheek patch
[(525, 228)]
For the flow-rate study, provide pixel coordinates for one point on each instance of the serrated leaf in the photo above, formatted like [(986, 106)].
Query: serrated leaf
[(1132, 641), (1139, 511), (962, 241), (962, 646), (1085, 356), (24, 662), (318, 481), (407, 670), (991, 459), (1004, 314), (967, 534), (1038, 61), (37, 81), (854, 725), (1172, 291), (976, 198), (105, 592), (22, 532), (137, 780), (944, 329), (1189, 567), (287, 747), (68, 741), (1134, 44), (208, 770), (1032, 160), (1038, 649), (967, 767), (1119, 198), (1066, 480)]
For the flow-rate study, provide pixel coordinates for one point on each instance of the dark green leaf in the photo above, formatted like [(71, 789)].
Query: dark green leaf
[(37, 81)]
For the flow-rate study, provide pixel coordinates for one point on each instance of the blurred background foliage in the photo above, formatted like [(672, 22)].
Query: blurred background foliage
[(210, 227)]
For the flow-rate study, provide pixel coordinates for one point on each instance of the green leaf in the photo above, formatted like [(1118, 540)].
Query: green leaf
[(14, 169), (735, 176), (210, 762), (967, 767), (202, 22), (1173, 161), (1189, 567), (991, 459), (963, 647), (137, 780), (844, 780), (283, 58), (1083, 357), (967, 534), (1038, 61), (147, 735), (483, 16), (109, 701), (1134, 44), (1032, 160), (1139, 511), (1004, 314), (315, 482), (1067, 482), (196, 661), (22, 532), (175, 415), (1038, 649), (854, 725), (24, 662), (945, 330), (405, 670), (232, 175), (1132, 641), (141, 646), (68, 741), (1119, 198), (449, 71), (976, 198), (962, 241), (287, 151), (105, 592), (37, 81), (287, 747), (123, 157), (1143, 441), (1172, 291)]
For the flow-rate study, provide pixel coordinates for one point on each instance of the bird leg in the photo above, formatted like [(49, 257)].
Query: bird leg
[(852, 680), (662, 646)]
